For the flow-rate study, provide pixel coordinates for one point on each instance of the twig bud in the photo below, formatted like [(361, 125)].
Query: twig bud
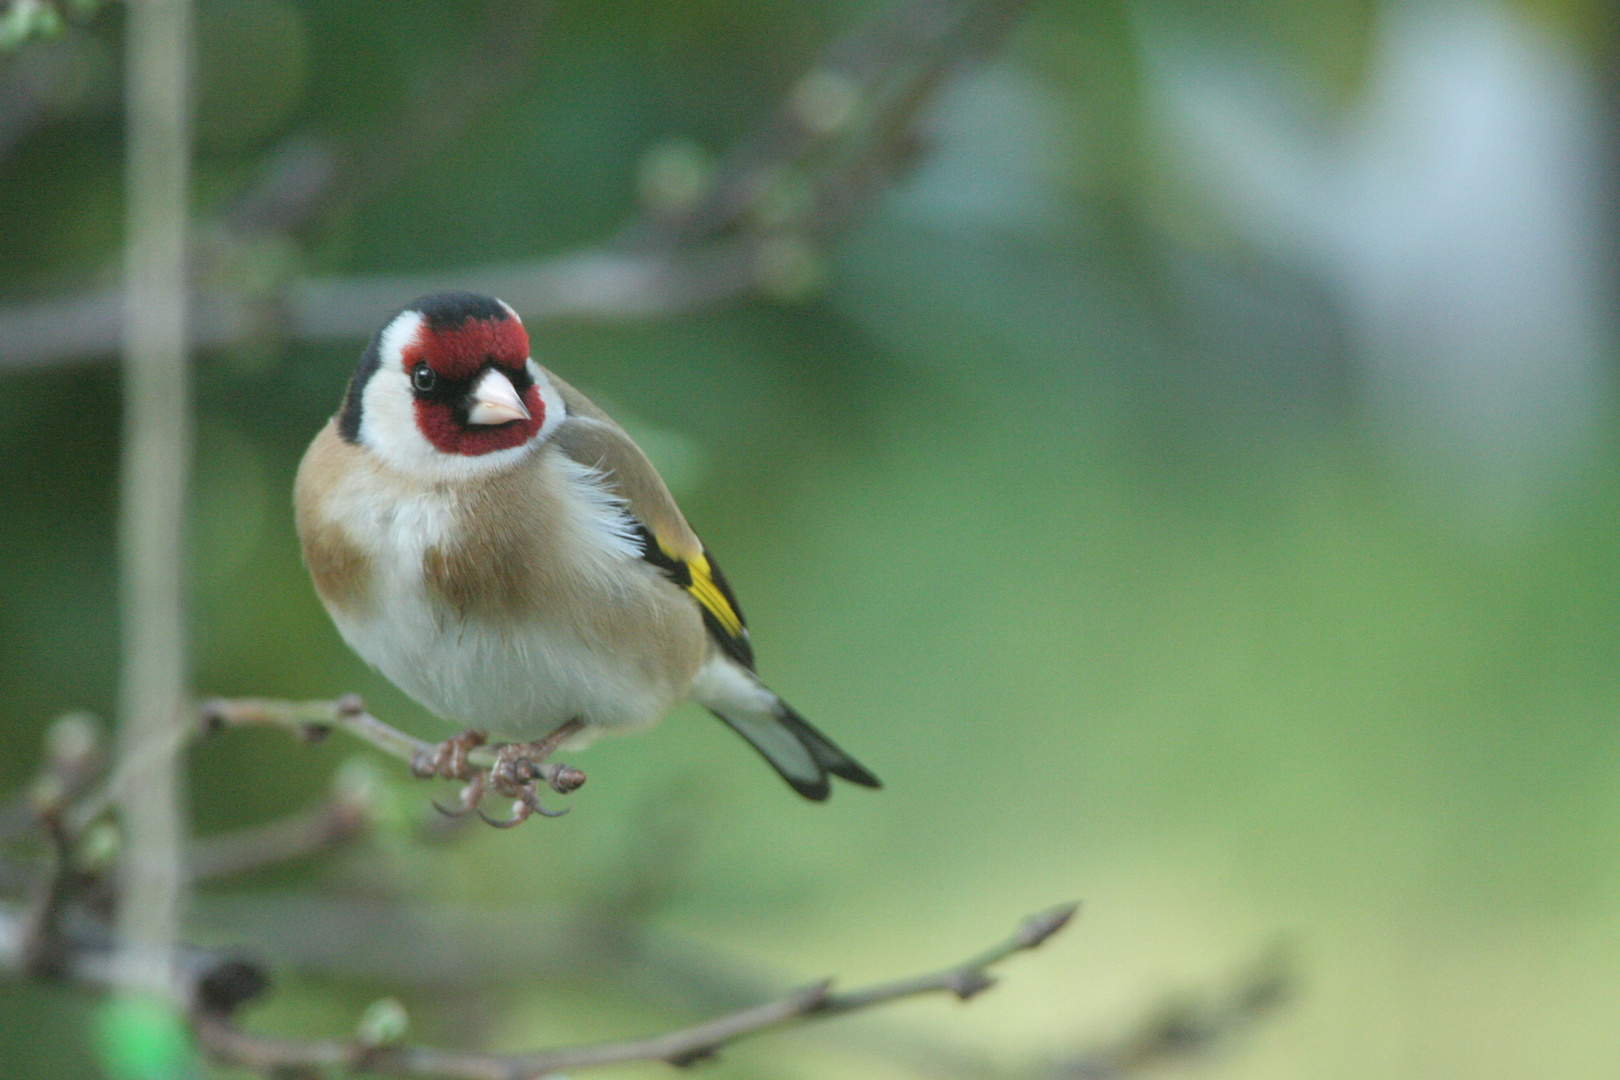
[(72, 741), (384, 1023), (563, 779), (230, 984), (825, 100), (211, 716), (672, 176), (966, 984), (47, 795), (1037, 928), (98, 848)]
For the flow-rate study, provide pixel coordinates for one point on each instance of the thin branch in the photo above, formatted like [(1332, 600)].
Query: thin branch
[(336, 823), (73, 757), (1188, 1027), (133, 765), (965, 979), (42, 947), (515, 771), (220, 1037), (844, 132), (309, 721), (595, 283), (845, 125), (216, 986), (312, 721)]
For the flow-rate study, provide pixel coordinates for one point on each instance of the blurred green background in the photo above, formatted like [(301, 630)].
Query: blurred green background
[(1193, 489)]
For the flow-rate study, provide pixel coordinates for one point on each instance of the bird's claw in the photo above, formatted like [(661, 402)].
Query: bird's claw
[(523, 806), (471, 793), (517, 774)]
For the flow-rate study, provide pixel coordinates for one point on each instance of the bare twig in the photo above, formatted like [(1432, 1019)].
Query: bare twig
[(597, 283), (1187, 1027), (965, 979), (43, 950), (312, 721), (215, 986), (217, 1034), (306, 720), (339, 821), (843, 133), (72, 759), (131, 768), (845, 126), (513, 770)]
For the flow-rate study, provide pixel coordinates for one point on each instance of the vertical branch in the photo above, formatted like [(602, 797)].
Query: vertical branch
[(156, 461)]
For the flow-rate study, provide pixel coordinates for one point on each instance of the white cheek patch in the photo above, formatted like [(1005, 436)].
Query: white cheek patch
[(387, 406), (388, 417)]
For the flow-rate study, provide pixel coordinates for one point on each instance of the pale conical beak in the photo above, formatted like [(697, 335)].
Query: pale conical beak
[(495, 401)]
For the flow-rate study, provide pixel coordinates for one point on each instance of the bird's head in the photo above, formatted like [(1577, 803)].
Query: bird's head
[(447, 389)]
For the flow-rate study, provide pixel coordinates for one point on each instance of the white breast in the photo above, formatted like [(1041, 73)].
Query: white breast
[(516, 680)]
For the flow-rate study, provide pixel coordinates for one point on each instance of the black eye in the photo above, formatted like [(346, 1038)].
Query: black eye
[(422, 378)]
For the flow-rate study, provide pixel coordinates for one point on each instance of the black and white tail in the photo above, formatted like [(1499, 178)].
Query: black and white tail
[(802, 755)]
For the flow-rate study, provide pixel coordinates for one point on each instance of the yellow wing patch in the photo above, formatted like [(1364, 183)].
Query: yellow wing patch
[(712, 597), (704, 582)]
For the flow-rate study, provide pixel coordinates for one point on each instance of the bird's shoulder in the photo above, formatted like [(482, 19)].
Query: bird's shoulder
[(590, 438)]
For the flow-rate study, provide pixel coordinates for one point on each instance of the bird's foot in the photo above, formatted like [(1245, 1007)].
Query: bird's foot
[(519, 770), (449, 758)]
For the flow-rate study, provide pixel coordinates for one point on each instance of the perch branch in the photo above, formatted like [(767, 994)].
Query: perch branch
[(309, 721), (312, 721), (513, 770), (220, 1037)]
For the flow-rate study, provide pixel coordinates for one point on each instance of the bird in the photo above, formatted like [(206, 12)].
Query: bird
[(503, 552)]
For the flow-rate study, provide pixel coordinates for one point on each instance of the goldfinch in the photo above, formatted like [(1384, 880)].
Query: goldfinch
[(504, 553)]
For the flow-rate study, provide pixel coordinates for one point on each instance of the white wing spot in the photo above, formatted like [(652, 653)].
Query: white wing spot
[(607, 520)]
